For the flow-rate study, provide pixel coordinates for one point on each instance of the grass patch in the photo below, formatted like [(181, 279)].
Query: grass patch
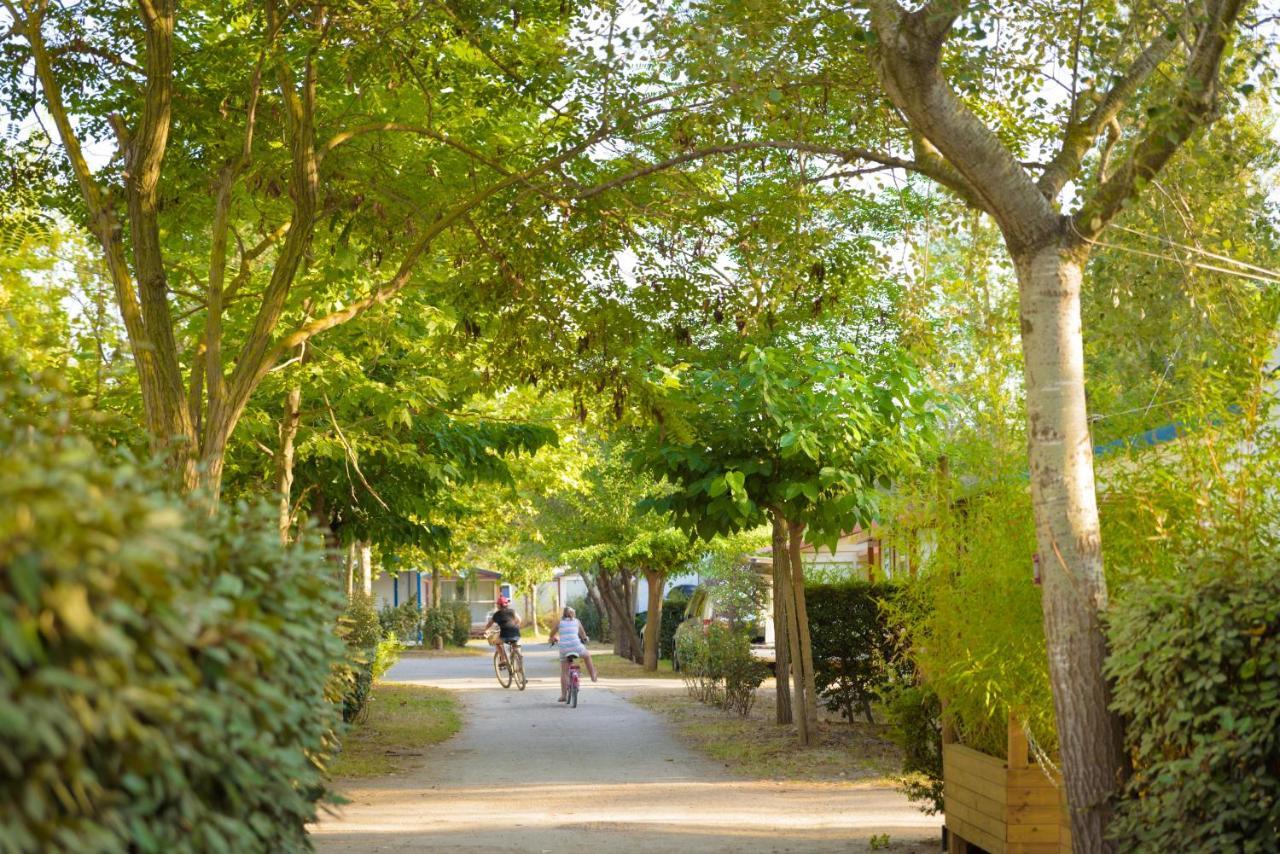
[(610, 666), (470, 650), (756, 747), (402, 721)]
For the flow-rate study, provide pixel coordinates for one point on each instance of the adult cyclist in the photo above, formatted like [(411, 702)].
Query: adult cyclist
[(508, 623)]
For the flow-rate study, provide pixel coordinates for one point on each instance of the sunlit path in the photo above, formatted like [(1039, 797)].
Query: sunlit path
[(527, 774)]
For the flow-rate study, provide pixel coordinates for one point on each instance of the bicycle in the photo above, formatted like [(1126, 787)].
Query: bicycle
[(514, 671), (575, 680)]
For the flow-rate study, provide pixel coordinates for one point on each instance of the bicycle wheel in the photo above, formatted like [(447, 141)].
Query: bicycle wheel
[(517, 669), (573, 696), (503, 673)]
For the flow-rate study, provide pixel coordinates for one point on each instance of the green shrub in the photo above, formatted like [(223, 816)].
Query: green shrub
[(437, 625), (593, 622), (672, 617), (915, 721), (385, 656), (973, 617), (403, 621), (165, 676), (361, 630), (717, 665), (460, 630), (360, 627), (857, 646), (1196, 665)]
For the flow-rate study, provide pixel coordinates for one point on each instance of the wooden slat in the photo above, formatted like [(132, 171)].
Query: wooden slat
[(1036, 848), (1035, 814), (976, 835), (1031, 778), (1047, 833), (987, 789), (958, 760), (989, 824), (957, 796), (1024, 796)]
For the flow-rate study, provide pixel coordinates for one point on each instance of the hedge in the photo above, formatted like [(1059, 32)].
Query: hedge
[(165, 677), (856, 646), (1195, 662)]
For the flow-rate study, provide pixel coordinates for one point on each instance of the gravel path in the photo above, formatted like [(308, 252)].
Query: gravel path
[(528, 774)]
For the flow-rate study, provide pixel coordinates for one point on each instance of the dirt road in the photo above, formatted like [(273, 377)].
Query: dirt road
[(528, 774)]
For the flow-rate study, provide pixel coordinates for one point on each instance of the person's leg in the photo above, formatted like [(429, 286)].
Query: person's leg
[(591, 668), (564, 679), (502, 650)]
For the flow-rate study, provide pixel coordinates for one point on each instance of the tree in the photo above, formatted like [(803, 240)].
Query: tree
[(310, 117), (1049, 251), (966, 110), (803, 436)]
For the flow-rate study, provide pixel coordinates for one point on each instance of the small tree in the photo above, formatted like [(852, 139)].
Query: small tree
[(803, 436)]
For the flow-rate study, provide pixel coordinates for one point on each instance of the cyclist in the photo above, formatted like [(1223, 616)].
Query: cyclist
[(573, 641), (508, 623)]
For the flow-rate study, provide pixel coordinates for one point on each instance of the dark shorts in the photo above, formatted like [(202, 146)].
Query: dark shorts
[(509, 638)]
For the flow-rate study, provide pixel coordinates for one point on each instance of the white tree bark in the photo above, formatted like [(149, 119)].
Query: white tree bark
[(366, 568), (1074, 597)]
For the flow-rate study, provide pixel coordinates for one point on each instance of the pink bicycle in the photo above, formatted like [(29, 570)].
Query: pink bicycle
[(575, 680)]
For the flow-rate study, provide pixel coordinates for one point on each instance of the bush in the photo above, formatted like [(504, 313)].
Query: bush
[(164, 675), (915, 721), (403, 621), (360, 626), (973, 617), (593, 622), (717, 665), (857, 647), (361, 630), (672, 617), (1196, 665), (460, 630), (437, 624), (385, 656)]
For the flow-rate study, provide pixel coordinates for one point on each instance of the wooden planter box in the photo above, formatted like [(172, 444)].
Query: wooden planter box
[(1003, 807)]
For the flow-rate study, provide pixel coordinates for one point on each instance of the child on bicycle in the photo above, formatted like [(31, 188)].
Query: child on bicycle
[(573, 641), (508, 623)]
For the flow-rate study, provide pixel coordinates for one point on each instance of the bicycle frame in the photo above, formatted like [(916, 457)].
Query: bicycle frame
[(575, 680)]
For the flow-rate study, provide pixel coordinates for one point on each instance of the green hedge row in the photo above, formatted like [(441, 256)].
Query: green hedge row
[(165, 677), (857, 648), (1195, 663)]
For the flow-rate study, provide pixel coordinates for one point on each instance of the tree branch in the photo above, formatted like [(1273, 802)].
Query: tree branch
[(402, 276), (907, 61), (1194, 106), (1081, 135), (845, 154)]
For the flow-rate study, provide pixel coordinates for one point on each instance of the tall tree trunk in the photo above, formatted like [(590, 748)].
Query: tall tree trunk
[(795, 532), (781, 652), (653, 622), (284, 460), (782, 567), (351, 569), (606, 625), (366, 568), (1074, 592), (618, 593)]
